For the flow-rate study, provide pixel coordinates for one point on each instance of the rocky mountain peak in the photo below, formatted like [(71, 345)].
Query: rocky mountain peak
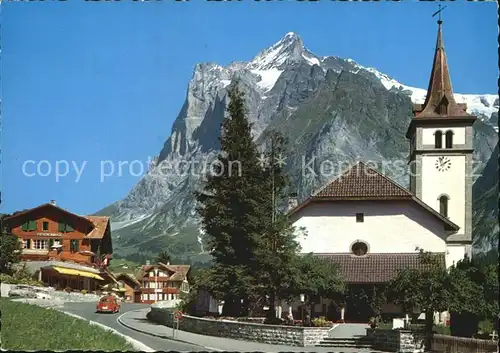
[(330, 108), (288, 49)]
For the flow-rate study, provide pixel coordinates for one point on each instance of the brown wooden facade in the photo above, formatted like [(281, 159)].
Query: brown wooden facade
[(49, 232), (132, 286)]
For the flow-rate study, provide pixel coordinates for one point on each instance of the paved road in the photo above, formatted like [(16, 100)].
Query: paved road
[(87, 311)]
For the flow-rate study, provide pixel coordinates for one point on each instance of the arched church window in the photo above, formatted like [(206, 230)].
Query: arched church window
[(438, 139), (443, 205), (449, 139), (359, 248)]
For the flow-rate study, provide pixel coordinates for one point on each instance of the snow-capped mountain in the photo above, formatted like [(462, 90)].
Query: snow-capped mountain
[(329, 108)]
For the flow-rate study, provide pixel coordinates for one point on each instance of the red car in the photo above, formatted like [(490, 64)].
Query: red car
[(108, 304)]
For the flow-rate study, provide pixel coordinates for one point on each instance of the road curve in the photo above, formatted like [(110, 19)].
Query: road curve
[(87, 311)]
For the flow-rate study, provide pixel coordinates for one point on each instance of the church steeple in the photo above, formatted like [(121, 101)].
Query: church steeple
[(440, 101)]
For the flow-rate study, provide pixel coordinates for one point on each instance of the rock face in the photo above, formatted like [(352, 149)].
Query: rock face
[(332, 110)]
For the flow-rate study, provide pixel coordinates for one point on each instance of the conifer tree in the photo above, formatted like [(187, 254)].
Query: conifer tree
[(230, 209)]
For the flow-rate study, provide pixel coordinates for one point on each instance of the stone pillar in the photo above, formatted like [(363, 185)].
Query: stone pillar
[(436, 318), (342, 311)]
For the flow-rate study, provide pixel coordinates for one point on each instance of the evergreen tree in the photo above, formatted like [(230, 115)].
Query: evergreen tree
[(10, 248), (230, 209), (163, 257)]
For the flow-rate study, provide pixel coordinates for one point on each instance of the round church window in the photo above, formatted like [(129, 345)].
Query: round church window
[(359, 248)]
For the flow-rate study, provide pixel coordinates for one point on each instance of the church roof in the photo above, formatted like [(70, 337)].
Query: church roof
[(362, 183), (375, 268)]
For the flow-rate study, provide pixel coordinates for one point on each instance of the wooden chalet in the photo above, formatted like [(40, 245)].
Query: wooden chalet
[(163, 282), (66, 247)]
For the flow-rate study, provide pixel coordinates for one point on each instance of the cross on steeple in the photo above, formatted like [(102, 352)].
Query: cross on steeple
[(438, 12)]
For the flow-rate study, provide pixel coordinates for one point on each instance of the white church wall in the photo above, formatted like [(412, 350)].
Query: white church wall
[(450, 182), (454, 253), (428, 137), (388, 227)]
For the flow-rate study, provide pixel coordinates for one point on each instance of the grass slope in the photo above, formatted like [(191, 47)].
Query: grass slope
[(28, 327)]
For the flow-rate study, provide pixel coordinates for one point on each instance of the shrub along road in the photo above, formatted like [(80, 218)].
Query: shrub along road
[(87, 311)]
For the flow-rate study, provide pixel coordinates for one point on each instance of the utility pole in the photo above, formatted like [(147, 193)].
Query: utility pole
[(273, 216)]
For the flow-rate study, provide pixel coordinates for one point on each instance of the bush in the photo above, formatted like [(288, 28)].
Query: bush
[(442, 330), (321, 322), (83, 291), (485, 329), (274, 321), (51, 330), (4, 278)]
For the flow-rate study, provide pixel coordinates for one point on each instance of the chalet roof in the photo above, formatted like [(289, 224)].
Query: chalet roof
[(128, 277), (100, 223), (25, 212), (375, 268), (178, 272), (361, 182)]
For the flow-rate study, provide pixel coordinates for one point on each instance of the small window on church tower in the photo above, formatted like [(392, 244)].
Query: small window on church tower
[(449, 139), (438, 139), (360, 217), (443, 205)]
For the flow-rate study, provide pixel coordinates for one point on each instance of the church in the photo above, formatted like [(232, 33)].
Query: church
[(372, 227)]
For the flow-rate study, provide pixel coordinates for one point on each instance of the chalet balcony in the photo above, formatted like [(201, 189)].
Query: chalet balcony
[(159, 290), (35, 252)]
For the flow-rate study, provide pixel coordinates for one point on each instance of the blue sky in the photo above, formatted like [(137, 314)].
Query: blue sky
[(95, 81)]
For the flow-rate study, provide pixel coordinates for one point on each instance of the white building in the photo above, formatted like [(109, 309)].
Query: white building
[(371, 226)]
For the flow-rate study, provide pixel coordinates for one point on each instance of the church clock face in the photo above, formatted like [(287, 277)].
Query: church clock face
[(443, 164)]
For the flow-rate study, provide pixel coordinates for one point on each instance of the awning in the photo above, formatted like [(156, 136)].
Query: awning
[(72, 272)]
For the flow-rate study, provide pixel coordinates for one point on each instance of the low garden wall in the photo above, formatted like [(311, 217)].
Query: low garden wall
[(271, 334), (406, 341), (451, 344), (403, 341)]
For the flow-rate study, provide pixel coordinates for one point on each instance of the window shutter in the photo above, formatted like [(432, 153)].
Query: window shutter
[(69, 228), (32, 225), (61, 227), (24, 226)]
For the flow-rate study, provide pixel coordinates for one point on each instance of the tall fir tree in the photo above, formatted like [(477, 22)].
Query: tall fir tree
[(230, 207)]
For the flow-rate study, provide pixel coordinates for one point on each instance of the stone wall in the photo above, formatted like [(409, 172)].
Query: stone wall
[(271, 334), (406, 341), (56, 295), (451, 344), (403, 341)]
